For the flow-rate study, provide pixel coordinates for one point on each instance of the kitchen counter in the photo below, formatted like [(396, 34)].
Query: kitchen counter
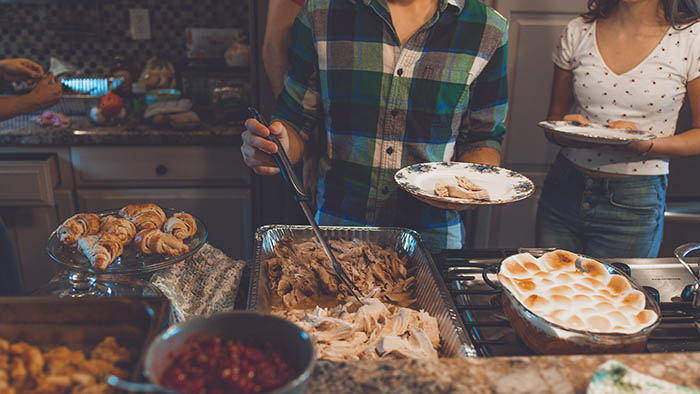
[(506, 375), (23, 130)]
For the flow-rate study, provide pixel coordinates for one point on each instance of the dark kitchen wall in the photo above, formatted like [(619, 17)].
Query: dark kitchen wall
[(90, 33)]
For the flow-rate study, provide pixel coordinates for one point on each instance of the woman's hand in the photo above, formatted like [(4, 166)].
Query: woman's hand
[(623, 124), (20, 70), (576, 118), (642, 148), (46, 93), (564, 141)]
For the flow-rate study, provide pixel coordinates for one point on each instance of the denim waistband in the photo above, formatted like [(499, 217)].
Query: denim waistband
[(565, 169)]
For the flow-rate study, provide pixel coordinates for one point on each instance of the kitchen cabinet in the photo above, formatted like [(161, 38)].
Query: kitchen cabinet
[(43, 186), (36, 191), (211, 182), (534, 29)]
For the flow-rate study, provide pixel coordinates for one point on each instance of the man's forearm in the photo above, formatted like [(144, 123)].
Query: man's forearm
[(275, 62), (481, 155)]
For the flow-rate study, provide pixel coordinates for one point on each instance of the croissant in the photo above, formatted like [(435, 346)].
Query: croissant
[(155, 241), (181, 225), (77, 226), (123, 229), (101, 249), (144, 216)]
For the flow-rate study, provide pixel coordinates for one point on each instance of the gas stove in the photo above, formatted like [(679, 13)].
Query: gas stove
[(470, 277)]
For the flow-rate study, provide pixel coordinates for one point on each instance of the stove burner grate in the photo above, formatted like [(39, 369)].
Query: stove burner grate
[(470, 277)]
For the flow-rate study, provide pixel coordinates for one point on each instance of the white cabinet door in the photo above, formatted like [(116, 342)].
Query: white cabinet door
[(535, 27), (29, 228), (226, 212)]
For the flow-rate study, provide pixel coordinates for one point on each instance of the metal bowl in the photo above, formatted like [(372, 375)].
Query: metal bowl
[(295, 344)]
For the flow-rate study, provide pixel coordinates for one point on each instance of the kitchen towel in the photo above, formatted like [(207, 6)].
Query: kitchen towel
[(613, 377), (201, 285)]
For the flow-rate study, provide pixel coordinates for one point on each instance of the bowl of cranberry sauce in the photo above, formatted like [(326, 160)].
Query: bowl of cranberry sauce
[(234, 352)]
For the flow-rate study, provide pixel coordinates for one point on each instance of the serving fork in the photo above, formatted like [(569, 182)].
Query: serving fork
[(296, 187)]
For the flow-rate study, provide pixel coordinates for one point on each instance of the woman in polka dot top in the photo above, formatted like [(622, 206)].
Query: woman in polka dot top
[(625, 63)]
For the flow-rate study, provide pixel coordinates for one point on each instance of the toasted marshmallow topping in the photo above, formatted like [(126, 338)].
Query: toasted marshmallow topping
[(576, 293)]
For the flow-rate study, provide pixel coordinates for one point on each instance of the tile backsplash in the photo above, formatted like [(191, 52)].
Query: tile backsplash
[(90, 33)]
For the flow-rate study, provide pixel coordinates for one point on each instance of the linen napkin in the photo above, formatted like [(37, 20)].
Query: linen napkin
[(203, 284), (613, 377)]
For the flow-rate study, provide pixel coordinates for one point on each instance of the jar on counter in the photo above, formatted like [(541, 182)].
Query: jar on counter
[(230, 101)]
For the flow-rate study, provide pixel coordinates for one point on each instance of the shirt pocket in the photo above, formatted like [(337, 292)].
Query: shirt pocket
[(439, 97)]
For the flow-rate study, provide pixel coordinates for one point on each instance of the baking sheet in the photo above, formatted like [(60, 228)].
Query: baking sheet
[(82, 323), (431, 293)]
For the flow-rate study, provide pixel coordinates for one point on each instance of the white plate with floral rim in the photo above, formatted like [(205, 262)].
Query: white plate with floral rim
[(596, 133), (503, 185)]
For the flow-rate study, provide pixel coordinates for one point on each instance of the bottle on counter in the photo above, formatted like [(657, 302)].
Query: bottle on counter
[(121, 69), (138, 99)]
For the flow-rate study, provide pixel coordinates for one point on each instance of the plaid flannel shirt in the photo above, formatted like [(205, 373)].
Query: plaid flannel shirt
[(384, 107)]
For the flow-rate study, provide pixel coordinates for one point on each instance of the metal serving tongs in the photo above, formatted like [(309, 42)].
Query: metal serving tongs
[(690, 293), (293, 183)]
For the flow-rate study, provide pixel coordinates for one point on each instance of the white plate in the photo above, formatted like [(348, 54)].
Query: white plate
[(595, 133), (503, 185)]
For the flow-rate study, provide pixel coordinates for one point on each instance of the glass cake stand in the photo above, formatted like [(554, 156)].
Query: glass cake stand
[(127, 275), (86, 284)]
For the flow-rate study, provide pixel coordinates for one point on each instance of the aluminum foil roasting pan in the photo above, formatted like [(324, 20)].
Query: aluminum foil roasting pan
[(431, 293), (81, 323)]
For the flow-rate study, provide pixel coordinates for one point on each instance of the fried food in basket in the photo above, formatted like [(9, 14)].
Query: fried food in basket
[(25, 369), (181, 225), (78, 226)]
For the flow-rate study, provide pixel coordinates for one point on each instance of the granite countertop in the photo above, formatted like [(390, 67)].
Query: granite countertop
[(23, 130), (498, 375)]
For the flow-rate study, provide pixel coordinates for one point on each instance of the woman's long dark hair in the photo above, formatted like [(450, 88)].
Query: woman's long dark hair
[(676, 12)]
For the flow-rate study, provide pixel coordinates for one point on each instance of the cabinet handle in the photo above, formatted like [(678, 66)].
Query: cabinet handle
[(161, 170)]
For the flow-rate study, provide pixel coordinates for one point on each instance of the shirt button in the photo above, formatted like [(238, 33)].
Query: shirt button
[(385, 190), (400, 72), (389, 150), (394, 112)]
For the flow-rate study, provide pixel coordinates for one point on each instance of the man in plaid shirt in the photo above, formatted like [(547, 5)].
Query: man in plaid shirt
[(395, 83)]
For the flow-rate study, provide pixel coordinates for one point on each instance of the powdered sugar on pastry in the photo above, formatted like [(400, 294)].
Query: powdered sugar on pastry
[(576, 292)]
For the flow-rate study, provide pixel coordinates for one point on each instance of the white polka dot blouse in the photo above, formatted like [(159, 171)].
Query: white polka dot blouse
[(650, 94)]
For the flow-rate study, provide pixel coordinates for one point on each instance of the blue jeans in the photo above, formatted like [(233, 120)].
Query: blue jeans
[(601, 217)]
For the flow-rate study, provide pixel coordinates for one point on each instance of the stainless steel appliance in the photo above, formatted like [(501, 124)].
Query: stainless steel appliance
[(470, 277)]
